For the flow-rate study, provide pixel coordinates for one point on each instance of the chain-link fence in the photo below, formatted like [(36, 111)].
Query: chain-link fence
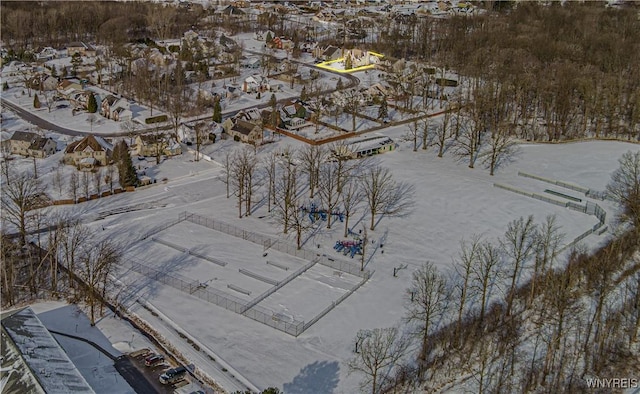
[(250, 309), (566, 185), (596, 194), (220, 298), (275, 244)]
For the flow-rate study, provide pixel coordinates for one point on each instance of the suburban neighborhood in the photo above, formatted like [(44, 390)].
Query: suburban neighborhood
[(320, 197)]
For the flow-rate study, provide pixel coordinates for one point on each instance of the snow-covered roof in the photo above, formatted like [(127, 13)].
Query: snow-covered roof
[(53, 369), (369, 143)]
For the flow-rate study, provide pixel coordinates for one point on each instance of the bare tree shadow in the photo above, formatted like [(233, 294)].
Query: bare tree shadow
[(320, 377)]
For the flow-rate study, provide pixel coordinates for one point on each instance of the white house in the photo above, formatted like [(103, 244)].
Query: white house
[(255, 83)]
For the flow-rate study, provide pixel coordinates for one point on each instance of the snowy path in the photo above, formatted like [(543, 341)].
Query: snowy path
[(229, 379)]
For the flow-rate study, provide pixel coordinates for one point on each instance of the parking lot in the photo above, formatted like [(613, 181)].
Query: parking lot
[(152, 373)]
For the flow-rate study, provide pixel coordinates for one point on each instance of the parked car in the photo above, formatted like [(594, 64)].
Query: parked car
[(153, 360), (173, 375)]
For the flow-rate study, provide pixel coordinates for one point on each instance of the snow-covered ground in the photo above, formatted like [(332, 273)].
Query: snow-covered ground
[(452, 203)]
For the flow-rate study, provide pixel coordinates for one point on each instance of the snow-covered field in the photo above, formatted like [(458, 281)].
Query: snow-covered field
[(452, 203)]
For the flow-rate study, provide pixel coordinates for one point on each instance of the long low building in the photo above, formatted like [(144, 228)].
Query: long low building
[(367, 147), (33, 361)]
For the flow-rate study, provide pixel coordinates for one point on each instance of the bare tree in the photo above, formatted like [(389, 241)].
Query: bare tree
[(201, 134), (226, 169), (518, 245), (328, 188), (379, 350), (270, 164), (442, 133), (547, 245), (412, 134), (468, 143), (74, 236), (74, 185), (85, 183), (464, 268), (427, 303), (351, 197), (486, 275), (95, 264), (352, 102), (91, 118), (98, 177), (385, 196), (311, 157), (286, 184), (129, 127), (500, 148), (624, 187), (20, 199), (57, 179), (109, 177)]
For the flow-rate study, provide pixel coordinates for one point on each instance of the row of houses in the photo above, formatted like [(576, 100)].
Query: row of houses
[(88, 152), (248, 125)]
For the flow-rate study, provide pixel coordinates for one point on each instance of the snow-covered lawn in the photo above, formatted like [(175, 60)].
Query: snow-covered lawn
[(452, 202)]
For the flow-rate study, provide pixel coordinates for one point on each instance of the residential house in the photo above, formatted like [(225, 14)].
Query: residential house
[(42, 147), (68, 87), (47, 53), (281, 43), (251, 115), (252, 62), (242, 130), (255, 83), (295, 109), (82, 48), (232, 11), (41, 81), (88, 152), (115, 108), (329, 53), (31, 144), (227, 43), (154, 144), (187, 134)]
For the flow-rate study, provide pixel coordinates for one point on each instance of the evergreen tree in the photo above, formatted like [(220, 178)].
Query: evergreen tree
[(126, 170), (269, 38), (92, 104), (36, 102), (217, 111), (303, 94), (339, 85), (5, 85), (383, 111), (348, 64)]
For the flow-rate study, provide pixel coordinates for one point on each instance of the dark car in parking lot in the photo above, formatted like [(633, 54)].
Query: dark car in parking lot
[(153, 360), (173, 375)]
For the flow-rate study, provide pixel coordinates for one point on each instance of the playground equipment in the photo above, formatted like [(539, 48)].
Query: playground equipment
[(349, 247), (320, 214)]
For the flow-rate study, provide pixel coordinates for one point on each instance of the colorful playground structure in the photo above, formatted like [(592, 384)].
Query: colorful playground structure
[(349, 247), (320, 214)]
